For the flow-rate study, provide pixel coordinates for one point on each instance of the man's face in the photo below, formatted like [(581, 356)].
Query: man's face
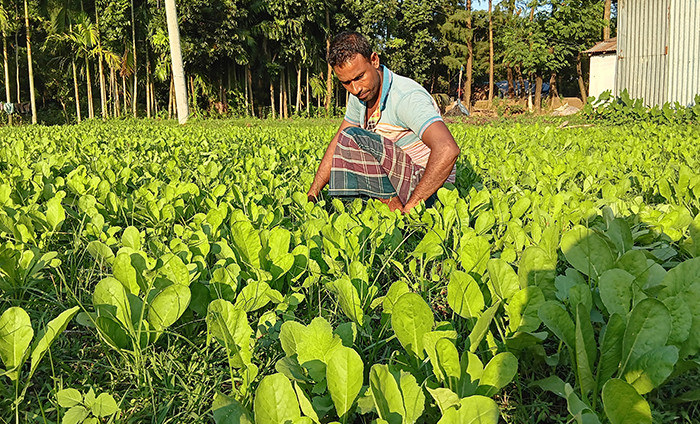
[(361, 77)]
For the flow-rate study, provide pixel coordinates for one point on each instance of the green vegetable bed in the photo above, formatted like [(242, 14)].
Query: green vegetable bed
[(155, 273)]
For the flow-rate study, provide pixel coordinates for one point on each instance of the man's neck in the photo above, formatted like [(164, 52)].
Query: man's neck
[(372, 104)]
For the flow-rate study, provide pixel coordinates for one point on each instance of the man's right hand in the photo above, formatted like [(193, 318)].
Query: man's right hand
[(323, 174)]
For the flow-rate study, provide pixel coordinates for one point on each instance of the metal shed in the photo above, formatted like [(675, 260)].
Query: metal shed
[(603, 67), (658, 50)]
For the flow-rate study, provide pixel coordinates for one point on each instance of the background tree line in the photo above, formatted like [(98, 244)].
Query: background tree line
[(88, 58)]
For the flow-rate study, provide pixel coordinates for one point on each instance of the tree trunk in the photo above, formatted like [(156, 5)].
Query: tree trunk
[(329, 77), (250, 87), (490, 51), (103, 89), (115, 92), (6, 67), (148, 85), (287, 94), (553, 92), (77, 91), (606, 17), (538, 92), (581, 83), (134, 94), (297, 106), (467, 92), (308, 94), (521, 82), (32, 98), (19, 96), (511, 83), (272, 98), (281, 99), (91, 107), (170, 99), (124, 93), (177, 66)]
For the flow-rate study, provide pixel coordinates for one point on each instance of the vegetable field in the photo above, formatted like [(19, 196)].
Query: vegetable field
[(154, 273)]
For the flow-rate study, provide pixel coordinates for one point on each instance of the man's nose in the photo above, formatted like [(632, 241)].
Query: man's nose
[(353, 86)]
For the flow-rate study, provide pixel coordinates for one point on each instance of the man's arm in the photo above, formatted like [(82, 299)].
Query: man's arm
[(443, 156), (323, 175)]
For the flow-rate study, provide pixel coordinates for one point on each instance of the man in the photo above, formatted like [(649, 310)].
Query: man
[(392, 144)]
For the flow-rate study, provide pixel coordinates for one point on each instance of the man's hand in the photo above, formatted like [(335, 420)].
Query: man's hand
[(443, 156), (323, 175)]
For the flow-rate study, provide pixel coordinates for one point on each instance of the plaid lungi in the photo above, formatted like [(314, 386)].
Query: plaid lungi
[(367, 164)]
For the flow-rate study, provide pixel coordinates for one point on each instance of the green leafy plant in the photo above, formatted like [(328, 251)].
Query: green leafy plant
[(86, 408)]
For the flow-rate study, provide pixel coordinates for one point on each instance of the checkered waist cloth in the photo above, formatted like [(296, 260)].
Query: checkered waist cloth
[(367, 164)]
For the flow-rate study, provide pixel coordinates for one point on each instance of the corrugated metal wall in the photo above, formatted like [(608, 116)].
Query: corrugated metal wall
[(684, 51), (658, 48)]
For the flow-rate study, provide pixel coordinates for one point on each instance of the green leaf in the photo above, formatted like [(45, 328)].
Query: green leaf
[(55, 327), (554, 316), (104, 406), (413, 398), (172, 268), (387, 395), (498, 372), (100, 251), (430, 340), (254, 296), (411, 319), (648, 328), (229, 326), (444, 398), (623, 405), (125, 272), (75, 415), (344, 372), (168, 306), (585, 352), (587, 251), (275, 401), (396, 290), (503, 278), (610, 349), (481, 328), (68, 398), (464, 295), (523, 308), (474, 252), (113, 332), (110, 300), (305, 404), (348, 298), (681, 319), (652, 369), (446, 363), (228, 410), (616, 291), (538, 268), (15, 336), (246, 241), (581, 412), (55, 214), (472, 410), (131, 238)]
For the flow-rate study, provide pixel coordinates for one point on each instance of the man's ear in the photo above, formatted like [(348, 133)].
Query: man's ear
[(374, 60)]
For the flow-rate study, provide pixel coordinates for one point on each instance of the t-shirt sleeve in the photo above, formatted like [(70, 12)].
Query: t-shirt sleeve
[(353, 111), (417, 111)]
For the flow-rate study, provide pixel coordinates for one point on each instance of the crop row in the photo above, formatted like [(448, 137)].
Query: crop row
[(562, 261)]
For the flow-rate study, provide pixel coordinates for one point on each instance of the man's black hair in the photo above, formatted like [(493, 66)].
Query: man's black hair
[(345, 46)]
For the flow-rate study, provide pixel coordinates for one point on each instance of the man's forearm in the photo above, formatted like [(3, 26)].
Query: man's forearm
[(323, 174), (437, 170)]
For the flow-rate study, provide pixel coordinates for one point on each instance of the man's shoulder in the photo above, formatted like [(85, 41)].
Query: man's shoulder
[(403, 86)]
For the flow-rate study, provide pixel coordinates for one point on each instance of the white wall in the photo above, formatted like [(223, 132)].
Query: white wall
[(602, 74)]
